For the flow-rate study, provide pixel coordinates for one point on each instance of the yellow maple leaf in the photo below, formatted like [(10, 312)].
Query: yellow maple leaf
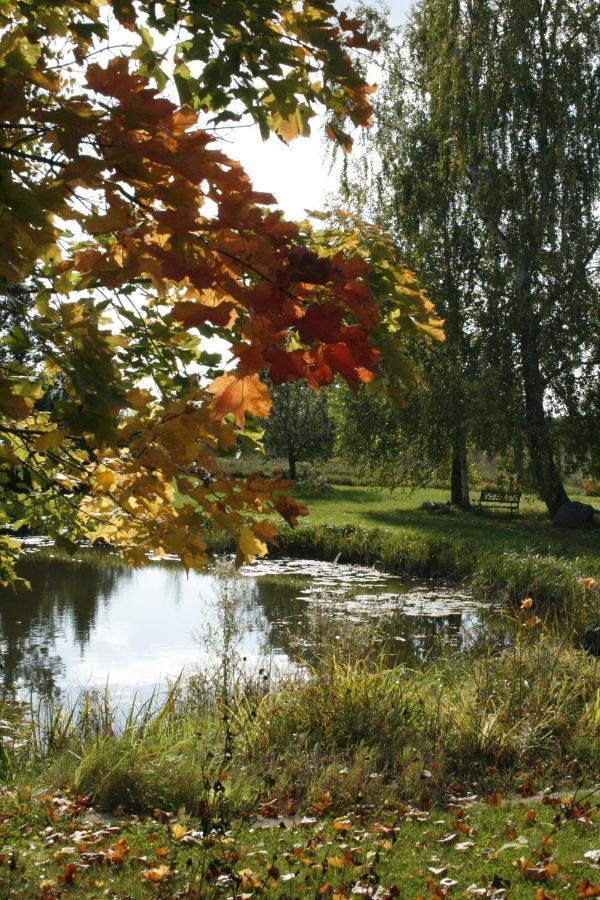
[(104, 478), (250, 545), (178, 831), (50, 439)]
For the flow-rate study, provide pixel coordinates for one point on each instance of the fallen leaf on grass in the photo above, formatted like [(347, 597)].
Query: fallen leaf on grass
[(117, 852), (517, 844), (340, 862), (586, 889), (157, 874), (323, 803), (46, 890), (64, 851), (67, 876), (178, 831), (526, 788), (593, 855), (249, 879), (447, 839), (537, 873), (465, 846), (490, 893)]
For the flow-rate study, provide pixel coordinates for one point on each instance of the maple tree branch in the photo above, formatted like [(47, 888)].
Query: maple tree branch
[(21, 432), (107, 49), (33, 157)]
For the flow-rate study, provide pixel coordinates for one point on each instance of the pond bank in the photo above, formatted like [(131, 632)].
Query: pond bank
[(350, 725), (556, 584)]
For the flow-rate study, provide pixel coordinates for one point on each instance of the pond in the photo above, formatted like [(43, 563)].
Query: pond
[(90, 622)]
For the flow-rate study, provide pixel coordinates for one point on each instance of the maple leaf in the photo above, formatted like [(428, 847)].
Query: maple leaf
[(157, 874), (114, 80), (192, 314), (178, 831), (172, 216), (117, 218), (50, 439), (290, 509), (585, 888), (67, 876), (250, 545), (239, 395), (321, 323)]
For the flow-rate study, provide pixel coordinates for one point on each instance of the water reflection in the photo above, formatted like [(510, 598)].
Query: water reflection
[(64, 598), (89, 621)]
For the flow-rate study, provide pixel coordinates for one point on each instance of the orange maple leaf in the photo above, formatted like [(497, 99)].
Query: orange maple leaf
[(238, 395)]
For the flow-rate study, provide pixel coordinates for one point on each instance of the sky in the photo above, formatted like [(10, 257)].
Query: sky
[(299, 175)]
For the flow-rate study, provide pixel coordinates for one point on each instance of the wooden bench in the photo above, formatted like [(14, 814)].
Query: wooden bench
[(493, 498)]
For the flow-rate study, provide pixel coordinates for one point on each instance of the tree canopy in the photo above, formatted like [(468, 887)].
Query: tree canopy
[(131, 238)]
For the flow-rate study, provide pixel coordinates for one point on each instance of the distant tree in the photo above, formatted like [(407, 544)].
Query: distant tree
[(484, 161), (512, 87), (299, 427), (404, 178)]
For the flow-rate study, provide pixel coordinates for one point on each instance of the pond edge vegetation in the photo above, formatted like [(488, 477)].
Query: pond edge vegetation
[(559, 585)]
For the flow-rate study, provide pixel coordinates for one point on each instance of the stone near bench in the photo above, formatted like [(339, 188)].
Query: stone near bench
[(574, 515), (433, 507)]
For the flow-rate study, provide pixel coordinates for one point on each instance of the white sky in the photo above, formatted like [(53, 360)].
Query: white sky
[(298, 174)]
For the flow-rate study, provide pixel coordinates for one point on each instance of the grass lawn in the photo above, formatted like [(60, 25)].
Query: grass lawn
[(54, 847), (399, 512)]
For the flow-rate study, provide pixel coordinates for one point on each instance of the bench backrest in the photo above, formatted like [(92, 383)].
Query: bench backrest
[(507, 496)]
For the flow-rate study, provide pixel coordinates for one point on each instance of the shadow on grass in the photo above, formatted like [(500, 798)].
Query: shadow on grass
[(349, 495), (493, 531)]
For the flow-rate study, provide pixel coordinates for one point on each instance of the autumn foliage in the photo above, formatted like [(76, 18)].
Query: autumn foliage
[(131, 238)]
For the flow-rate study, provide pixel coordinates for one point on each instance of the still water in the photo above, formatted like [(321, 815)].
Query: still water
[(91, 622)]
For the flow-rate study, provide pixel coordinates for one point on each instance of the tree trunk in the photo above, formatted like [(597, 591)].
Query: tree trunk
[(464, 468), (542, 453), (292, 465), (459, 484)]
